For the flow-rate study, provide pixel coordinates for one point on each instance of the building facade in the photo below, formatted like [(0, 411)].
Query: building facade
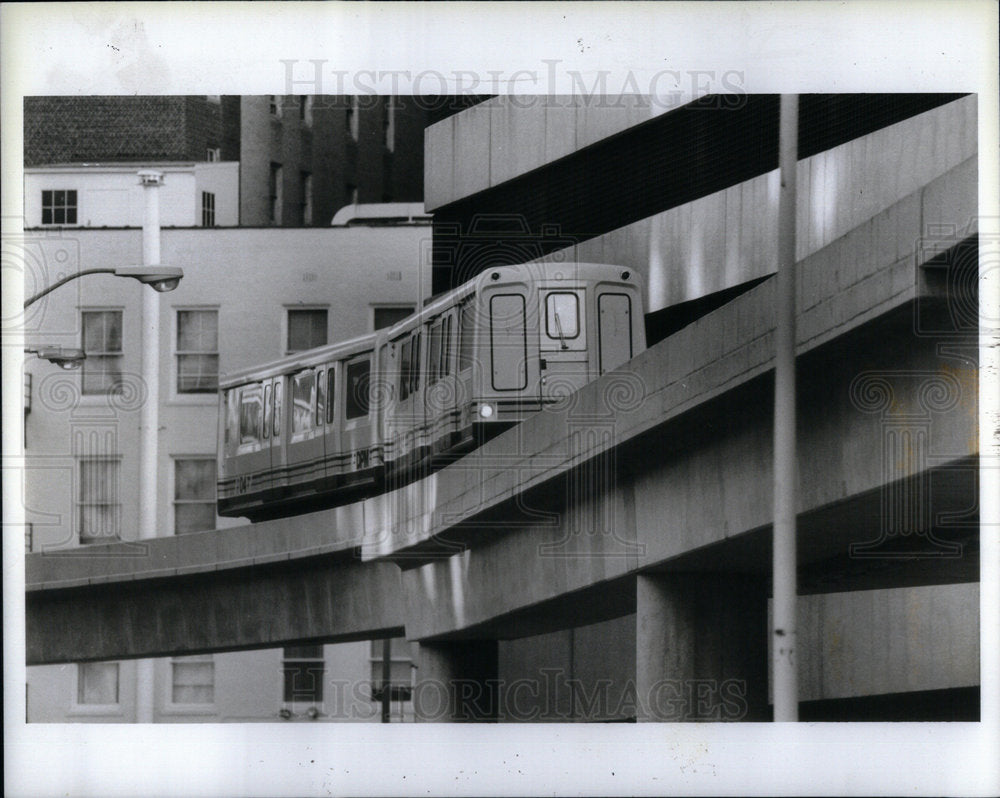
[(301, 157), (247, 296)]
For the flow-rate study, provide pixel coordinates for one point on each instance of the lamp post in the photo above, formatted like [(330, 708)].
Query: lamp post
[(149, 418), (159, 278)]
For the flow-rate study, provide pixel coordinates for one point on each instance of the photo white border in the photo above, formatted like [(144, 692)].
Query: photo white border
[(238, 48)]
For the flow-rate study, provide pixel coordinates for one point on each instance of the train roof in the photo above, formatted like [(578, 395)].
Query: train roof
[(549, 270), (300, 360)]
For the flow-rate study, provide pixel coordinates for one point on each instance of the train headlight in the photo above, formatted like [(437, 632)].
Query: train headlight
[(486, 411)]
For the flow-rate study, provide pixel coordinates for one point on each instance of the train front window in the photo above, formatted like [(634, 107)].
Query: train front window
[(358, 378), (562, 316)]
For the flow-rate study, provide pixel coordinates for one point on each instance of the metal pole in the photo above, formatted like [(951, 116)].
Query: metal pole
[(149, 420), (386, 680), (784, 631)]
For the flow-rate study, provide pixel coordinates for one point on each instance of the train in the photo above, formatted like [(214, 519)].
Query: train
[(345, 421)]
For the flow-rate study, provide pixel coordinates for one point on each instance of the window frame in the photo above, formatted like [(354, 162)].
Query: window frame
[(80, 708), (80, 503), (208, 209), (92, 355), (66, 207), (177, 459), (170, 705), (409, 307), (286, 672), (193, 397), (287, 326)]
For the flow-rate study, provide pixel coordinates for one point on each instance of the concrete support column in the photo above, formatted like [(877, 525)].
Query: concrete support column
[(456, 682), (701, 647)]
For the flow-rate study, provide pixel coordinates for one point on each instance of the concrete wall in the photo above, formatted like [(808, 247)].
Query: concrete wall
[(731, 236), (521, 134)]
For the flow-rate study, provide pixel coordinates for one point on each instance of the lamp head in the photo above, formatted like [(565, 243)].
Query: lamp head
[(160, 278), (64, 358)]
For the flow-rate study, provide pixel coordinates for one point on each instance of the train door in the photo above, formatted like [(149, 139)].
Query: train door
[(615, 339), (356, 422), (305, 443), (441, 399), (562, 333), (273, 434), (326, 418), (407, 413)]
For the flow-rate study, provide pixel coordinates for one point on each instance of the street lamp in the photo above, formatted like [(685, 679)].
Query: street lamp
[(161, 278), (64, 358)]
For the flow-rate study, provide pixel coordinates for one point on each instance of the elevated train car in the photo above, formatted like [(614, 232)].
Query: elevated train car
[(339, 422)]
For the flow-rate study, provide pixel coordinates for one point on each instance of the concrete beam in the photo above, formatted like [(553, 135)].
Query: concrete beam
[(321, 599)]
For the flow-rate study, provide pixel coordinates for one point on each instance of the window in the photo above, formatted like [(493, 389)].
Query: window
[(303, 669), (194, 494), (250, 412), (197, 351), (350, 194), (59, 207), (387, 316), (207, 209), (274, 105), (351, 118), (409, 367), (358, 376), (439, 356), (276, 426), (97, 683), (213, 154), (400, 668), (331, 384), (274, 193), (303, 400), (468, 324), (305, 200), (192, 680), (102, 342), (305, 110), (562, 316), (389, 124), (306, 329), (99, 510)]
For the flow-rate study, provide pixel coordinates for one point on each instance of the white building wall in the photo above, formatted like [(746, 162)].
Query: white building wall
[(111, 196), (252, 278)]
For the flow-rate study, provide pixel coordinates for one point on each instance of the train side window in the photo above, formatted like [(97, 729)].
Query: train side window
[(434, 353), (331, 385), (446, 347), (358, 377), (405, 356), (508, 342), (562, 316), (320, 397), (303, 398), (277, 409), (468, 328), (267, 411), (250, 416), (415, 365), (232, 415)]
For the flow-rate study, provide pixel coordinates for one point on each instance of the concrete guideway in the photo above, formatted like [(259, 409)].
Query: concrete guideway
[(652, 469)]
